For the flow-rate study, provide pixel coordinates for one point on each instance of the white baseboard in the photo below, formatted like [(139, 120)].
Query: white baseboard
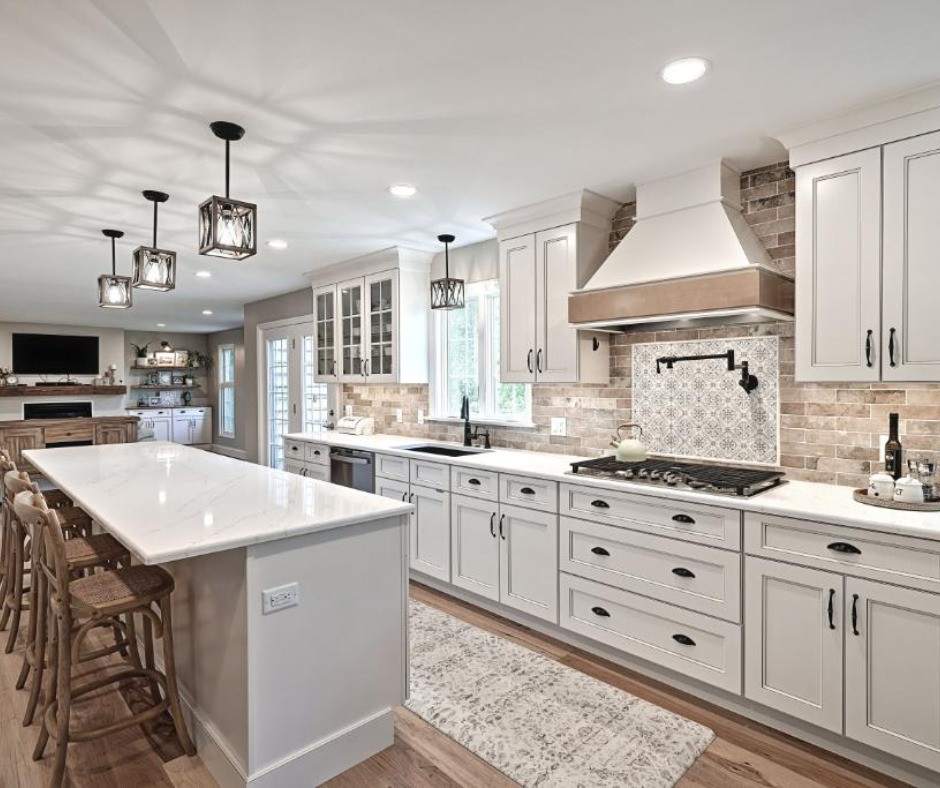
[(238, 454)]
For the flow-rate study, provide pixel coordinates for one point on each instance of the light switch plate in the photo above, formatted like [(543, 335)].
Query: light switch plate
[(349, 410), (398, 415), (280, 598), (420, 416), (559, 425)]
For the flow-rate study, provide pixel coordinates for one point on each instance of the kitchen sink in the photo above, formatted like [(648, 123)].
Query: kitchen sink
[(442, 451)]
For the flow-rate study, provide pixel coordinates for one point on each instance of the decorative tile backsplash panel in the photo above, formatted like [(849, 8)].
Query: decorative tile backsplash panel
[(698, 410)]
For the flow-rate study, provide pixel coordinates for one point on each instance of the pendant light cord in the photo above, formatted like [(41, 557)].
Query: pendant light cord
[(227, 143), (155, 204), (113, 259), (446, 260)]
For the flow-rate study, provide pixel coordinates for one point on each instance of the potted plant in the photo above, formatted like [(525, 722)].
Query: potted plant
[(141, 351), (197, 360)]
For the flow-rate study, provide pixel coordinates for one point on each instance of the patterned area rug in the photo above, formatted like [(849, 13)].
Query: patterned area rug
[(541, 723)]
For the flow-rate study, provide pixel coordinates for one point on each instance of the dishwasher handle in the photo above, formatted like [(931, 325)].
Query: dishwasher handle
[(350, 460)]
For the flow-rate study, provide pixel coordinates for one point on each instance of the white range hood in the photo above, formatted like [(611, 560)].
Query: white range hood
[(691, 256)]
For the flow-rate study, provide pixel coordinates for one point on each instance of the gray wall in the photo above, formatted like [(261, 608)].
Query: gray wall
[(178, 341), (236, 337)]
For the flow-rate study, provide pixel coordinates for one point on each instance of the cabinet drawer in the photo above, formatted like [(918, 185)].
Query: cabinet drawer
[(317, 470), (700, 578), (318, 453), (693, 522), (692, 644), (67, 432), (477, 484), (293, 450), (868, 554), (525, 491), (388, 466), (430, 474)]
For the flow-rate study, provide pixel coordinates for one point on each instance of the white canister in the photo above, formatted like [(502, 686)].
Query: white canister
[(908, 490), (881, 485)]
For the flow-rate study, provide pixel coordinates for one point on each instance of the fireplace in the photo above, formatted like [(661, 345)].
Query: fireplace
[(57, 410)]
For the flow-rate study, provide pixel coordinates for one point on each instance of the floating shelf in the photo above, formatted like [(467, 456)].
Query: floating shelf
[(60, 391), (165, 369), (169, 387)]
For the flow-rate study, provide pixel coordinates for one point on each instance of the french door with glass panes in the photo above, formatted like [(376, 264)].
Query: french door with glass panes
[(293, 400), (367, 334)]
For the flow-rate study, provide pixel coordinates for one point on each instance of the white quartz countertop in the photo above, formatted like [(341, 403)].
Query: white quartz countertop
[(165, 501), (804, 500)]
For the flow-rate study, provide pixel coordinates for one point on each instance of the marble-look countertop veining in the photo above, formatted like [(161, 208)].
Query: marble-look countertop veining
[(165, 501), (827, 503)]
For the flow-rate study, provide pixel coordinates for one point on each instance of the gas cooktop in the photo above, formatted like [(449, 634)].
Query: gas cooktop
[(701, 477)]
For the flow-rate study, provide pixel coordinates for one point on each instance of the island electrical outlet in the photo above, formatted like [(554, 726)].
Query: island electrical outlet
[(280, 598)]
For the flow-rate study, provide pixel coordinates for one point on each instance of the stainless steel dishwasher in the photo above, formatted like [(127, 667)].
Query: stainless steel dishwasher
[(353, 468)]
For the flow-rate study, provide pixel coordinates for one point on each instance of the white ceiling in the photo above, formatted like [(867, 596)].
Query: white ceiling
[(484, 105)]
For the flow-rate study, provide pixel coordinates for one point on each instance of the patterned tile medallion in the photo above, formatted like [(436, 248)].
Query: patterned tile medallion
[(541, 723), (698, 410)]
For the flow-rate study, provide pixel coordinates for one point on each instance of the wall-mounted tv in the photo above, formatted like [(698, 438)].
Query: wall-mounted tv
[(55, 354)]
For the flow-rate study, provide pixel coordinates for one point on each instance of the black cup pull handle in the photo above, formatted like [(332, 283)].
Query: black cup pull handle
[(599, 551), (599, 611), (832, 594), (855, 614), (492, 528), (527, 491), (600, 504), (683, 518), (868, 338), (683, 572), (474, 482), (685, 640), (891, 348), (844, 547)]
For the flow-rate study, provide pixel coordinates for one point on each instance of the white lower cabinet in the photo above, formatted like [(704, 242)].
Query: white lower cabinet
[(892, 670), (793, 640), (392, 488), (430, 532), (313, 470), (507, 554)]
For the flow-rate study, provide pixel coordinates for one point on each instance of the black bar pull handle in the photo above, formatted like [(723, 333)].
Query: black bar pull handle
[(502, 518), (600, 504), (832, 594), (844, 547), (683, 572), (528, 360), (891, 347), (474, 482), (683, 518), (599, 611), (527, 491), (599, 551), (538, 360), (492, 529), (855, 614), (868, 338), (685, 640)]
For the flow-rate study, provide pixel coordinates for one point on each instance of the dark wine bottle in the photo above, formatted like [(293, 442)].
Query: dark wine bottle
[(893, 449)]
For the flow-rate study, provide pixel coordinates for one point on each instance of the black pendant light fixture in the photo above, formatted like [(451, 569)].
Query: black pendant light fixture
[(227, 227), (114, 292), (447, 293), (154, 268)]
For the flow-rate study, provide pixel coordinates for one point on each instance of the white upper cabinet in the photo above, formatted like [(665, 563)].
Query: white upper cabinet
[(838, 277), (911, 260), (542, 258), (363, 322), (868, 264)]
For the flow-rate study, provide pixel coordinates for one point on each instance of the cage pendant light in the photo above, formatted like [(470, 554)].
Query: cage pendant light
[(154, 268), (227, 227), (114, 292), (447, 293)]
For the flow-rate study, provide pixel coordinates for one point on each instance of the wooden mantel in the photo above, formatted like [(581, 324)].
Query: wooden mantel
[(61, 391)]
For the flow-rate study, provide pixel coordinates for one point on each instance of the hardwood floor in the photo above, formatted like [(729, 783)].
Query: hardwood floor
[(744, 754)]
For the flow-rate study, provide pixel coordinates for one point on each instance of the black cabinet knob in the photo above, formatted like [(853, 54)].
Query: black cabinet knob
[(599, 611), (685, 640), (599, 551), (844, 547), (683, 572), (600, 504)]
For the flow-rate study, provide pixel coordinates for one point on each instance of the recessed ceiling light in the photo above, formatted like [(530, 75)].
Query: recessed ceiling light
[(688, 69), (402, 190), (204, 274), (277, 243), (161, 325), (207, 311)]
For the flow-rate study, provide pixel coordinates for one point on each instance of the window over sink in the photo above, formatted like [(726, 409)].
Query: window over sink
[(466, 346)]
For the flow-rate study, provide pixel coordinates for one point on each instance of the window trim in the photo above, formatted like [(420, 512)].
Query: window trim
[(439, 385), (223, 385)]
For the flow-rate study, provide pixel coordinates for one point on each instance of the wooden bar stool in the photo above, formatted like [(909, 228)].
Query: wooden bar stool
[(90, 601)]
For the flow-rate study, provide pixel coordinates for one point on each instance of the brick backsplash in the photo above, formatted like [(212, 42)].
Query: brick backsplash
[(829, 432)]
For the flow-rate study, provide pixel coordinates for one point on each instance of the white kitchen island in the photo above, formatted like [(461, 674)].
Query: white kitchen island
[(286, 699)]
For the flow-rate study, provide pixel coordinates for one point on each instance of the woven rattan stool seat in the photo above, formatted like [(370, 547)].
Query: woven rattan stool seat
[(94, 550), (107, 590)]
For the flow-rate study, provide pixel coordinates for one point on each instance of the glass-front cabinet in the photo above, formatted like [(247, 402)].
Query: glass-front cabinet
[(381, 310), (326, 369), (351, 340)]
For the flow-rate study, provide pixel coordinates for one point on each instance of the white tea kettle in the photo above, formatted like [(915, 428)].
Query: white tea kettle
[(629, 449)]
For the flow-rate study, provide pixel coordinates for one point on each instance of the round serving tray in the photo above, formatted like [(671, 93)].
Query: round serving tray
[(862, 496)]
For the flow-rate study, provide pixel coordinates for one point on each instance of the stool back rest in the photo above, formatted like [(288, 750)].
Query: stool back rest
[(48, 540), (6, 462)]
